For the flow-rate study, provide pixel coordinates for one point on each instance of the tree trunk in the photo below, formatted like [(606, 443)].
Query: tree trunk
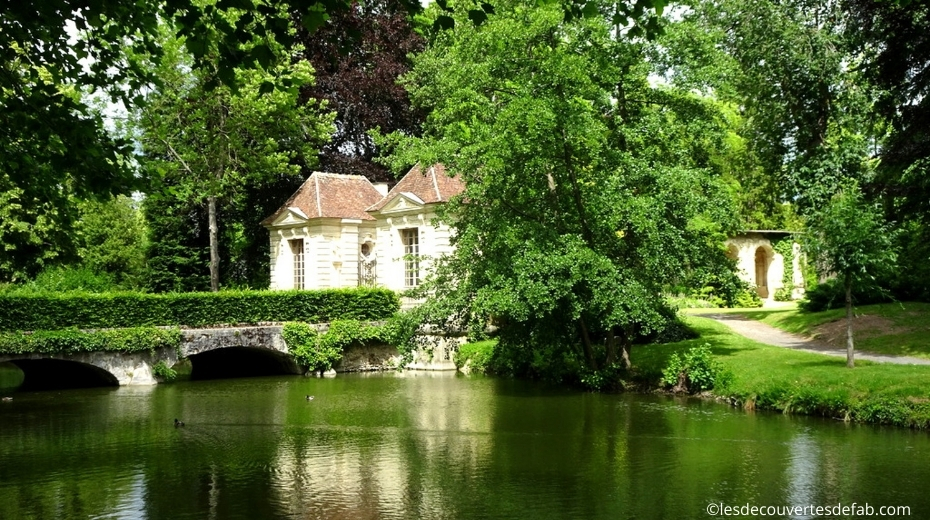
[(586, 341), (625, 345), (611, 347), (850, 362), (214, 245)]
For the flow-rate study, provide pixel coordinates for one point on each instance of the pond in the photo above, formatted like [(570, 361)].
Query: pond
[(431, 445)]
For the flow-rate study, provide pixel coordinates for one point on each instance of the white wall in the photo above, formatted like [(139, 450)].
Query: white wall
[(746, 247)]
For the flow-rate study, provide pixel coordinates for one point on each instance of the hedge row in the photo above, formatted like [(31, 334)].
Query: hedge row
[(72, 341), (91, 311)]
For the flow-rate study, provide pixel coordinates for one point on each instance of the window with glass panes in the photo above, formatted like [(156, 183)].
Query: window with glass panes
[(411, 240), (297, 249)]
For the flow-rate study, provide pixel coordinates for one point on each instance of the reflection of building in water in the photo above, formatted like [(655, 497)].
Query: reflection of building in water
[(352, 471)]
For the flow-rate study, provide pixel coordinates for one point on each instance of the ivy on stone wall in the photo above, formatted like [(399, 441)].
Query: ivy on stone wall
[(320, 351), (785, 247)]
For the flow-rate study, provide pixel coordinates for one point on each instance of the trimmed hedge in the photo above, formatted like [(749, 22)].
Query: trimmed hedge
[(72, 341), (91, 311)]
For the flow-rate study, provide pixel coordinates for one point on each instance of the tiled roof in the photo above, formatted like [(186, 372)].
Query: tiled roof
[(331, 195), (430, 186)]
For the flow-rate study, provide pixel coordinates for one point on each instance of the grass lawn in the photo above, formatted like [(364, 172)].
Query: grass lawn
[(799, 382), (901, 329)]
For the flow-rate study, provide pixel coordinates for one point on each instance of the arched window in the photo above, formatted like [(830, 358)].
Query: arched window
[(367, 271)]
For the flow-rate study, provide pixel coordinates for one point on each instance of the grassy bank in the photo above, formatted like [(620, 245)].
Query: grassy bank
[(779, 379), (898, 329), (775, 378)]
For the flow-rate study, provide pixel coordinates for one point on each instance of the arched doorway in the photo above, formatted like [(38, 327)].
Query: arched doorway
[(763, 260)]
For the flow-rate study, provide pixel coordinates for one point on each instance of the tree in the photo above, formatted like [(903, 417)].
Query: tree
[(579, 201), (358, 57), (894, 40), (850, 239), (690, 55), (213, 144), (112, 239), (789, 66)]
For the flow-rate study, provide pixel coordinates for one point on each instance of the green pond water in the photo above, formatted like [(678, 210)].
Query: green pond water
[(422, 445)]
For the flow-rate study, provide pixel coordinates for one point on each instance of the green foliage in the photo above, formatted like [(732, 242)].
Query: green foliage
[(606, 379), (112, 240), (400, 331), (807, 135), (782, 294), (216, 151), (45, 312), (831, 294), (162, 371), (478, 355), (319, 352), (64, 279), (748, 299), (73, 341), (35, 233), (785, 247), (850, 238), (694, 371), (581, 202)]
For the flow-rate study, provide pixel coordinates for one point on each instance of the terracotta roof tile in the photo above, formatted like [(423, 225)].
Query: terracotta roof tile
[(331, 195), (431, 186)]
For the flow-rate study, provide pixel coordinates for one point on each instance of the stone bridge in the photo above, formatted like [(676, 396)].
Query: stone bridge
[(253, 350), (120, 368)]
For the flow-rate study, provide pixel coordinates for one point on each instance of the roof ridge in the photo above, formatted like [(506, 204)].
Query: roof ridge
[(319, 205), (344, 175), (432, 171)]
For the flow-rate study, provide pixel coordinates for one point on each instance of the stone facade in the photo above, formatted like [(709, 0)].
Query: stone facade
[(759, 264), (343, 231)]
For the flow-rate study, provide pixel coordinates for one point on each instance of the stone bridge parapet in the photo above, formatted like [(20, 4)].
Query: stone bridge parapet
[(198, 341)]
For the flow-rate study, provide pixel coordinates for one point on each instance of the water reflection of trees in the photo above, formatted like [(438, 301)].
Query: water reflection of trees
[(422, 446)]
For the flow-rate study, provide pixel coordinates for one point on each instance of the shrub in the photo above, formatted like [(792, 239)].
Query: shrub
[(748, 299), (831, 295), (783, 294), (608, 378), (319, 352), (63, 279), (162, 371), (72, 341), (478, 355), (695, 371), (37, 312)]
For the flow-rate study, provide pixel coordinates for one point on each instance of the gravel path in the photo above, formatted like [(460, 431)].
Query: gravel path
[(764, 333)]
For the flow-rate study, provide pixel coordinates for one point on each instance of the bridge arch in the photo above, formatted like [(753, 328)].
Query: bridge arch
[(241, 361), (58, 374)]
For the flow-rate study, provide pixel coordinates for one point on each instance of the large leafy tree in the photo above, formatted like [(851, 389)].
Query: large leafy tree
[(788, 66), (358, 57), (580, 201), (894, 39), (55, 148), (213, 145)]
